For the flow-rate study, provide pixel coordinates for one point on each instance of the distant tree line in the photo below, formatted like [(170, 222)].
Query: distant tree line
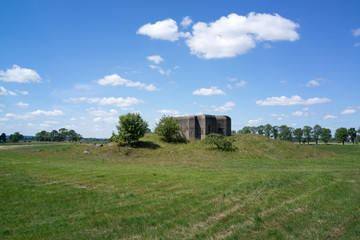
[(58, 136), (305, 134)]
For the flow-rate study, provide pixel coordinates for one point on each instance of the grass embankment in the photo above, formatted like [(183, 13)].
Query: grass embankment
[(265, 190)]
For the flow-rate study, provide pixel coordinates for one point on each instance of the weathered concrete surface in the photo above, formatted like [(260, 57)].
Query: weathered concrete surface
[(197, 127)]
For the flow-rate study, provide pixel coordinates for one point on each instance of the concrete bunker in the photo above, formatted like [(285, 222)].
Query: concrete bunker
[(197, 127)]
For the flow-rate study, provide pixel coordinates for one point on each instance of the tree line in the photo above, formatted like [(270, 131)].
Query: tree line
[(58, 136), (303, 135)]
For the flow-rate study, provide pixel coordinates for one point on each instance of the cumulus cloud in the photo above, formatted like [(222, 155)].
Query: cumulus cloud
[(155, 58), (163, 30), (4, 92), (252, 122), (119, 102), (330, 117), (294, 100), (299, 114), (186, 21), (116, 80), (22, 105), (228, 106), (168, 112), (208, 91), (101, 113), (19, 75), (315, 82), (161, 71), (348, 111), (235, 35), (32, 115), (356, 32), (22, 92), (241, 84), (109, 120)]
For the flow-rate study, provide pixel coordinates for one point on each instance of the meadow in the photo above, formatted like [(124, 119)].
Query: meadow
[(266, 189)]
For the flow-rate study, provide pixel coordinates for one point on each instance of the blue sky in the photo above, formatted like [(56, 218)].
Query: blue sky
[(81, 64)]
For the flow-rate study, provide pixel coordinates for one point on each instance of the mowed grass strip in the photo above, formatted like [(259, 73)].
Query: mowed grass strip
[(183, 191)]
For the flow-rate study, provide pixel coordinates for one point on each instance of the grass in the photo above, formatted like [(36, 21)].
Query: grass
[(266, 189)]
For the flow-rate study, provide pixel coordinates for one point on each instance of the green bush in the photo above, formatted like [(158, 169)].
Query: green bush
[(169, 130), (220, 141), (131, 128)]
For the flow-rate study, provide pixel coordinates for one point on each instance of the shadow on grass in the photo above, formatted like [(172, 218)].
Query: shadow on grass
[(146, 144)]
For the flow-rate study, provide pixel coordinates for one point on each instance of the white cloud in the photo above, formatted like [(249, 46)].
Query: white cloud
[(116, 80), (315, 82), (241, 83), (283, 82), (357, 44), (101, 112), (4, 92), (235, 35), (22, 92), (185, 23), (168, 112), (306, 109), (19, 75), (22, 105), (356, 32), (109, 120), (229, 86), (348, 111), (2, 105), (4, 119), (252, 122), (32, 115), (228, 106), (330, 117), (208, 91), (119, 102), (232, 79), (51, 122), (164, 30), (294, 100), (155, 58), (161, 71), (297, 114)]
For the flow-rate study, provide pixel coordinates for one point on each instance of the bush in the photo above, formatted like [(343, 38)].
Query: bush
[(131, 128), (169, 130), (220, 141)]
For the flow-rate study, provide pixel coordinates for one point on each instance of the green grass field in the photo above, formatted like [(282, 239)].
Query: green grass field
[(267, 189)]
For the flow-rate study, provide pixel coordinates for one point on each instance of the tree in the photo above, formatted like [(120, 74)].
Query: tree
[(73, 136), (352, 134), (168, 129), (253, 130), (325, 135), (275, 132), (131, 128), (260, 129), (317, 133), (341, 134), (220, 141), (40, 136), (16, 137), (267, 130), (285, 133), (54, 136), (307, 133), (3, 137), (298, 134), (245, 130), (63, 134)]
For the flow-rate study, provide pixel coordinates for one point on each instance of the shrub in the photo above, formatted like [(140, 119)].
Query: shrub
[(169, 130), (131, 128), (220, 141)]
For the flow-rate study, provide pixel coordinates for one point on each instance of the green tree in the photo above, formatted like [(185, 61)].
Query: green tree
[(352, 134), (308, 133), (317, 133), (220, 141), (74, 136), (40, 136), (275, 132), (341, 134), (253, 130), (16, 137), (131, 128), (260, 129), (54, 136), (245, 130), (298, 134), (3, 137), (168, 129), (285, 133), (325, 135), (63, 134), (267, 130)]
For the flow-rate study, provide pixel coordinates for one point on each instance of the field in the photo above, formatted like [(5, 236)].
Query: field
[(267, 189)]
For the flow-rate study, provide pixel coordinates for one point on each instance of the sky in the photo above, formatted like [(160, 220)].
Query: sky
[(82, 64)]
